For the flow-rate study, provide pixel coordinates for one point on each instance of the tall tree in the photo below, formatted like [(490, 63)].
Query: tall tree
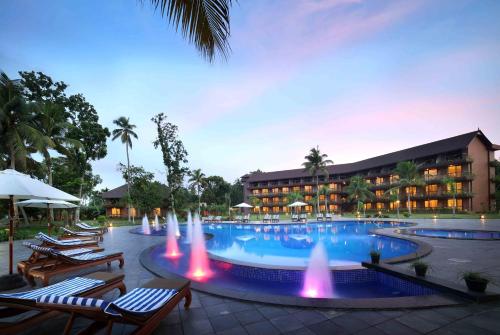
[(451, 188), (237, 192), (408, 177), (315, 164), (256, 203), (215, 190), (173, 152), (358, 190), (125, 132), (197, 182), (39, 87), (393, 195), (205, 23), (325, 191)]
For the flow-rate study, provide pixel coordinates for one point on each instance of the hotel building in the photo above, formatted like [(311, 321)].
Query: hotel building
[(467, 158)]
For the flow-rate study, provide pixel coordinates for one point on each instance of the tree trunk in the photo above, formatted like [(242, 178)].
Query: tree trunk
[(317, 195), (15, 218), (397, 207), (128, 183), (409, 204), (454, 203), (48, 162), (80, 191), (199, 201)]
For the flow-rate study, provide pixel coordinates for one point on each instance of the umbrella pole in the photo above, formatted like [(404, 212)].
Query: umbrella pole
[(49, 219), (11, 233)]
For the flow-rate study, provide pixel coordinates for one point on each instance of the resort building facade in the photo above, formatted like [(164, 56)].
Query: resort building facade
[(466, 158)]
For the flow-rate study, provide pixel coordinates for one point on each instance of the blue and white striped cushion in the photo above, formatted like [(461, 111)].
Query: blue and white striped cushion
[(86, 226), (65, 288), (74, 252), (142, 300), (74, 301), (90, 256), (46, 238), (42, 250), (78, 233)]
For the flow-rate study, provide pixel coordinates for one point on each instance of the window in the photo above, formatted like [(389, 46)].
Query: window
[(333, 197), (321, 208), (265, 200), (380, 205), (393, 178), (255, 192), (276, 209), (413, 204), (393, 205), (368, 205), (322, 197), (116, 211), (458, 203), (308, 188), (276, 200), (265, 191), (285, 200), (265, 209), (308, 209), (285, 209), (379, 181), (431, 189), (429, 173), (296, 188), (276, 190), (333, 208), (308, 197), (133, 212), (455, 170), (431, 203), (285, 190), (256, 209), (458, 187), (157, 211), (333, 186), (368, 181), (411, 190), (379, 193)]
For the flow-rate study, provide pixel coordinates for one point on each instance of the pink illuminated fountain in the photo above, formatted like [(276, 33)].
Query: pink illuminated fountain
[(177, 231), (189, 229), (172, 246), (317, 279), (199, 268), (145, 226)]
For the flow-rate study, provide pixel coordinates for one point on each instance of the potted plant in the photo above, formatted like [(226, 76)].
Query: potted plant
[(420, 268), (375, 256), (475, 281)]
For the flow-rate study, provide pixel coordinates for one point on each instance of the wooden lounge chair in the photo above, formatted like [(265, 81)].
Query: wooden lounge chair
[(66, 264), (328, 217), (22, 305), (48, 241), (86, 227), (295, 218), (246, 218), (71, 233), (319, 217), (143, 307), (276, 218), (267, 218), (38, 259), (303, 217)]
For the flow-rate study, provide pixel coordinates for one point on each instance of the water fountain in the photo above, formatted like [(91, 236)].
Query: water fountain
[(189, 229), (172, 246), (145, 226), (199, 267), (157, 223), (317, 278), (177, 231)]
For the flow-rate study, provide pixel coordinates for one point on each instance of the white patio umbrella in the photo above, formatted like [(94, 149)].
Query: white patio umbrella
[(243, 205), (19, 185), (45, 203), (297, 204)]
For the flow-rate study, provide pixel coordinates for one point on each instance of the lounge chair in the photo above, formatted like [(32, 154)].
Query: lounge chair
[(246, 218), (328, 217), (209, 218), (276, 218), (71, 233), (22, 305), (238, 218), (65, 264), (143, 307), (48, 241), (218, 218), (38, 259), (319, 217), (267, 218), (295, 218), (303, 217), (86, 227)]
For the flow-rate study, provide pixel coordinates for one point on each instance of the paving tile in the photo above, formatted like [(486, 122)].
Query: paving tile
[(261, 328), (419, 324), (461, 328), (310, 317), (239, 330), (219, 309), (270, 312), (395, 327), (224, 322), (370, 317), (301, 331), (489, 320), (249, 316), (197, 327), (454, 313), (287, 323), (370, 331), (349, 323), (327, 328), (238, 306)]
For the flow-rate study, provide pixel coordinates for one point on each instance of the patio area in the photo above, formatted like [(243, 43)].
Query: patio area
[(218, 315)]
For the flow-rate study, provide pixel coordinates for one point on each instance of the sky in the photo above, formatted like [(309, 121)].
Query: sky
[(358, 78)]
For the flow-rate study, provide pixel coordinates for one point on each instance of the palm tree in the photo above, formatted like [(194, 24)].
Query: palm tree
[(256, 203), (393, 195), (358, 190), (408, 176), (325, 190), (51, 122), (125, 132), (205, 23), (197, 182), (451, 188), (293, 197), (17, 129), (315, 163)]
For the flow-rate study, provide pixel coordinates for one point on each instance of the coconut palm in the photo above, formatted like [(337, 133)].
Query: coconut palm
[(451, 188), (205, 23), (393, 195), (408, 176), (19, 135), (325, 190), (125, 132), (197, 182), (358, 190), (316, 163)]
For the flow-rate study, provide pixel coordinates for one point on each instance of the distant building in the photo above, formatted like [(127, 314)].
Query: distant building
[(116, 206), (467, 158)]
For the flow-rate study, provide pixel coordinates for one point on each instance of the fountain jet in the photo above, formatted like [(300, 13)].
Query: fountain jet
[(189, 228), (177, 231), (172, 246), (157, 223), (317, 279), (145, 226), (199, 268)]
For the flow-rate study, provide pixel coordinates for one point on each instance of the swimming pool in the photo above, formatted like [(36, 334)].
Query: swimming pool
[(453, 233)]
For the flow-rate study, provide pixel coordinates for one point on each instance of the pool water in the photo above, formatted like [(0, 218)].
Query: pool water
[(454, 234)]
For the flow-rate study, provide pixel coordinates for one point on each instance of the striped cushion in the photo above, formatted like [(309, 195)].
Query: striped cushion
[(89, 256), (46, 238), (65, 288), (74, 301), (42, 250), (73, 252), (142, 300), (78, 233)]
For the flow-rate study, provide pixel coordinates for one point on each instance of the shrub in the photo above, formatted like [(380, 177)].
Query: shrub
[(101, 219), (406, 214)]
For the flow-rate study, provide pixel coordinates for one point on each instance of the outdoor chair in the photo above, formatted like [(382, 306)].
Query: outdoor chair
[(246, 218), (238, 218), (48, 241), (218, 218), (319, 216), (63, 264), (295, 218), (209, 218), (276, 218), (267, 218), (303, 217), (22, 305), (86, 227), (71, 233), (143, 307), (328, 217)]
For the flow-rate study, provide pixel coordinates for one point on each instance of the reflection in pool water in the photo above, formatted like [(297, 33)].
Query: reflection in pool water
[(454, 234)]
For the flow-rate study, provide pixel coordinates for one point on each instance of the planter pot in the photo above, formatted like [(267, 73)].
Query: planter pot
[(420, 271), (476, 285), (375, 259)]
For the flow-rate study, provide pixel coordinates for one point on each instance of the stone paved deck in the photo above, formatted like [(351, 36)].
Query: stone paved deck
[(217, 315)]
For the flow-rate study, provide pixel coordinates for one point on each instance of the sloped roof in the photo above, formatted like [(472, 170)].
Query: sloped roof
[(116, 193), (450, 144)]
